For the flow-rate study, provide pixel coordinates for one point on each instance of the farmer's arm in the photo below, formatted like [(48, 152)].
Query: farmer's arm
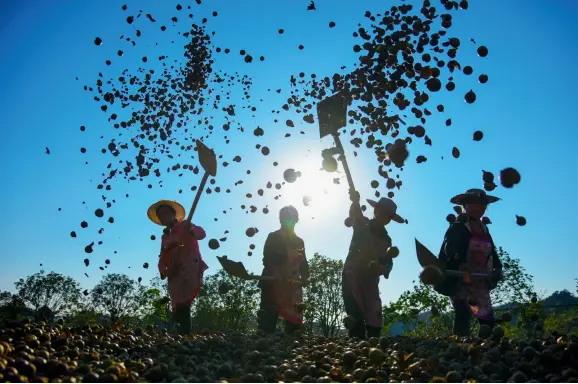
[(385, 261), (455, 246), (163, 263), (355, 212), (271, 254)]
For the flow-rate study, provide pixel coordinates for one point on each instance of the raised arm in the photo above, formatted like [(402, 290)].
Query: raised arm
[(355, 212)]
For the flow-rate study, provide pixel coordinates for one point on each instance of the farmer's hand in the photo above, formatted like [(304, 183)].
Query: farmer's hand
[(354, 195)]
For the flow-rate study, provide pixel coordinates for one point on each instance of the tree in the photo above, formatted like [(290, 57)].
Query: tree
[(517, 286), (421, 311), (53, 291), (225, 303), (161, 302), (323, 295), (11, 306), (85, 314), (117, 295)]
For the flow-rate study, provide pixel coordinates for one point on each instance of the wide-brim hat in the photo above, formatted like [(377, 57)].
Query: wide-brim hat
[(388, 205), (178, 208), (474, 196)]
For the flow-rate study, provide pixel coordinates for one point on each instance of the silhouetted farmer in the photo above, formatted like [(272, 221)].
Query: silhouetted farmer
[(283, 257), (468, 246), (180, 260), (366, 262)]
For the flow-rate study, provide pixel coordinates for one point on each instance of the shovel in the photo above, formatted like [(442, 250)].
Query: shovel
[(237, 269), (332, 116), (208, 161), (434, 270)]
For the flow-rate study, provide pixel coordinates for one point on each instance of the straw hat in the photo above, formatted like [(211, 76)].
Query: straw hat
[(178, 208), (474, 196), (388, 205)]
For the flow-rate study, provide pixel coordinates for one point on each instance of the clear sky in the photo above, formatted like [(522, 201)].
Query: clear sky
[(525, 112)]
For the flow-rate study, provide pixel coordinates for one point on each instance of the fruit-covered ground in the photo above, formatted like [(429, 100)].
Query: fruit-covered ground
[(37, 352)]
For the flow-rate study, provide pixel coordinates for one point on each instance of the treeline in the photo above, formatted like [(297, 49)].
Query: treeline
[(518, 307), (226, 303)]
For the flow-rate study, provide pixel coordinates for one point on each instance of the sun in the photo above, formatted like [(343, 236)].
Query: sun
[(315, 192)]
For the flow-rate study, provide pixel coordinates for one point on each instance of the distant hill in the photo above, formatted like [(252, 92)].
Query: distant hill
[(558, 301)]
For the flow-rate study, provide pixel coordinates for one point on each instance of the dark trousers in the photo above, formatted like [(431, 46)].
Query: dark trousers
[(462, 319), (268, 316), (359, 329), (182, 317)]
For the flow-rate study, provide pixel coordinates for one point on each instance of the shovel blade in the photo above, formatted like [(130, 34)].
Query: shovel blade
[(207, 158), (234, 268), (426, 257), (332, 114)]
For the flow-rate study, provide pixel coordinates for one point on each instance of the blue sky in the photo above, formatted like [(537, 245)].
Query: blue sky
[(524, 111)]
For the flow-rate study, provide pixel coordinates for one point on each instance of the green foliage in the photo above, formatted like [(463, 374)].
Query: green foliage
[(234, 309), (432, 327), (565, 323), (515, 289), (323, 295), (12, 306), (158, 308), (517, 286), (59, 293), (556, 314), (118, 296), (230, 303), (85, 315), (421, 310)]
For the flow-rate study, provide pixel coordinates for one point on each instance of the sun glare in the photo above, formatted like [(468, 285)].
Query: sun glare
[(315, 193)]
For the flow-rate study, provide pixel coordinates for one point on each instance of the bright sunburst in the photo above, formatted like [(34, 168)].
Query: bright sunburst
[(314, 193)]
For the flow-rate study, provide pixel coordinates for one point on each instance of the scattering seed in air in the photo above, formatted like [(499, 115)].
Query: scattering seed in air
[(509, 177), (470, 97), (169, 102), (214, 244), (482, 51)]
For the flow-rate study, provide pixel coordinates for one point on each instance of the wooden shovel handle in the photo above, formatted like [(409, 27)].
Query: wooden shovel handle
[(464, 273), (344, 160), (198, 196), (195, 203), (274, 278)]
